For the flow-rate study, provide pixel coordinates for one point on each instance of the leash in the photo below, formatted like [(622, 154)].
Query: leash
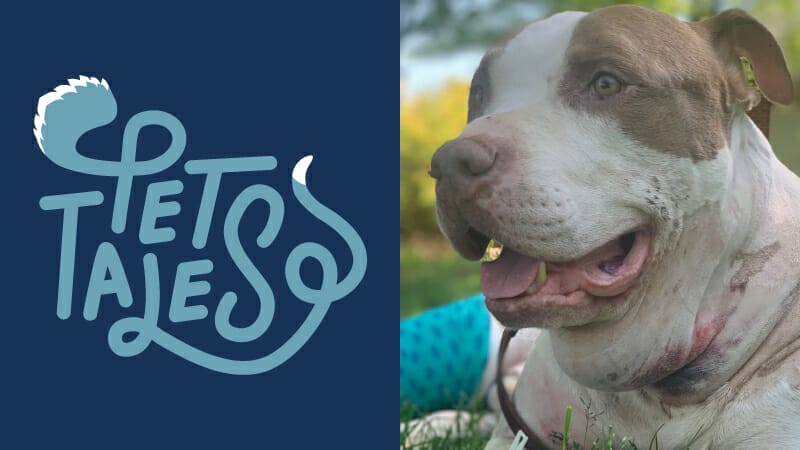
[(515, 422), (760, 115)]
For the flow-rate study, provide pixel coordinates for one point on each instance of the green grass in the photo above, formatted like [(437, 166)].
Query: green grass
[(430, 280), (467, 436), (785, 135)]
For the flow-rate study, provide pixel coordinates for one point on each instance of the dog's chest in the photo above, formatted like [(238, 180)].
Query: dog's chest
[(732, 417)]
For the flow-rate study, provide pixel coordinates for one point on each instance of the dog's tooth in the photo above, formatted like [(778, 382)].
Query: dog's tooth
[(541, 274), (532, 289), (493, 251)]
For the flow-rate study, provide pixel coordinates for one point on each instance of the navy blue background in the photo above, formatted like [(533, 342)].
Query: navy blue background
[(287, 80)]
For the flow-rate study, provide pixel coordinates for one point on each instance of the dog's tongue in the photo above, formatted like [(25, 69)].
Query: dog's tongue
[(606, 271), (509, 275)]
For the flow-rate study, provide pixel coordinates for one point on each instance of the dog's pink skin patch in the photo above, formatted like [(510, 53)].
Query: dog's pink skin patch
[(548, 395), (702, 350), (705, 330), (671, 359)]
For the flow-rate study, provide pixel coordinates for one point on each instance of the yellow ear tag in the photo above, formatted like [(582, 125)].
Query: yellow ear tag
[(748, 74), (492, 252)]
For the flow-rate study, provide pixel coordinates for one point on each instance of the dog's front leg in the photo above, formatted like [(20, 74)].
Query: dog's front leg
[(502, 436), (499, 443)]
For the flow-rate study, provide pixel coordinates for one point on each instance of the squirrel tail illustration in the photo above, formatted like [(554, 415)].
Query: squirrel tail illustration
[(70, 110)]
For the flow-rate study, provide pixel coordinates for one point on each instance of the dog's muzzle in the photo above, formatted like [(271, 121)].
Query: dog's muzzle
[(467, 173)]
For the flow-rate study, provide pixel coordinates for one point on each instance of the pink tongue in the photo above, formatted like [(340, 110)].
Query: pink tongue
[(606, 271), (509, 275)]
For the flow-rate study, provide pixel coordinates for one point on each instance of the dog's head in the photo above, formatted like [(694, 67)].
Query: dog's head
[(597, 146)]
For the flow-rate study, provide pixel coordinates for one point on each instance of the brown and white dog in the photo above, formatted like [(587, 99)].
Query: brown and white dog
[(614, 148)]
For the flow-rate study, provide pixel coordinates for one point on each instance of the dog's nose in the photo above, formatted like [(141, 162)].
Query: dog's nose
[(462, 157)]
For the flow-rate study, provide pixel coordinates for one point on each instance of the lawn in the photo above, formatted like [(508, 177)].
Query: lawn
[(432, 277), (432, 274)]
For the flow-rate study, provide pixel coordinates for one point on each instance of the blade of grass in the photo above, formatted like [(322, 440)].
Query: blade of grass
[(567, 419)]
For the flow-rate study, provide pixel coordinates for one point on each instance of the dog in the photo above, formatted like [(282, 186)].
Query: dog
[(647, 227)]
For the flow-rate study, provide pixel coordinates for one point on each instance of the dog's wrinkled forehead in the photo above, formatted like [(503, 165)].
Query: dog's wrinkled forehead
[(672, 101)]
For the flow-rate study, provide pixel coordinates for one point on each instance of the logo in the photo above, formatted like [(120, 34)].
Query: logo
[(84, 104)]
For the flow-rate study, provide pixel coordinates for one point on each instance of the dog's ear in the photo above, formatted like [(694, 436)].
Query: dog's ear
[(734, 34)]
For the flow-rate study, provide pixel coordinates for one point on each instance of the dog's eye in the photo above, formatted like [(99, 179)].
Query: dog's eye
[(606, 85)]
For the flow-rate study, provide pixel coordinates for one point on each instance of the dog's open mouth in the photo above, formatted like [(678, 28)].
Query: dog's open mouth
[(514, 281)]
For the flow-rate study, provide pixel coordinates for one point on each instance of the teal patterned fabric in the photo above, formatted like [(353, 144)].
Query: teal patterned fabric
[(443, 354)]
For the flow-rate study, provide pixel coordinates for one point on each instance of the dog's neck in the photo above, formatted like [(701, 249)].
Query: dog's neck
[(756, 283), (753, 186), (774, 219)]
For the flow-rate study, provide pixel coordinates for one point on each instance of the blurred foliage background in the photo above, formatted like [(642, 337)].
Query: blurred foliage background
[(430, 272)]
